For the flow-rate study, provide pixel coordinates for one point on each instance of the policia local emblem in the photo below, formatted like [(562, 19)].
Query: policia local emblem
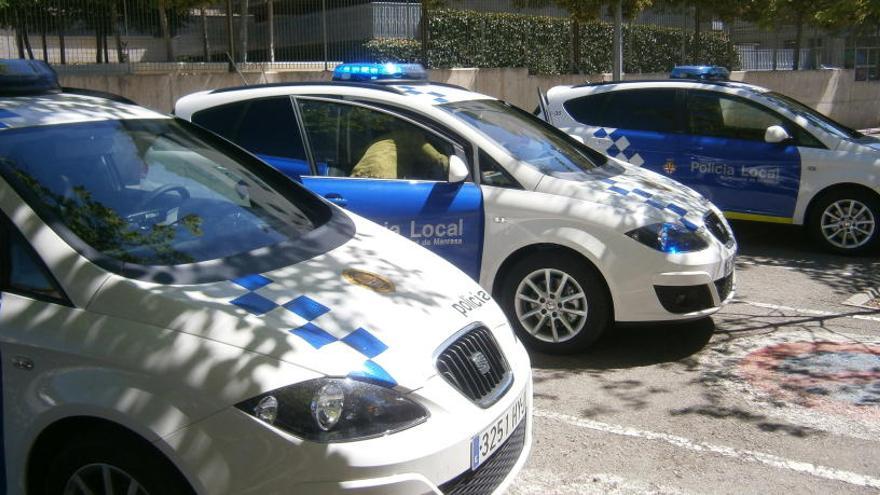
[(669, 166), (368, 280)]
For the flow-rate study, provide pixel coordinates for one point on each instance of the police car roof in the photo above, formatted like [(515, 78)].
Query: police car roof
[(66, 108), (677, 83), (397, 86)]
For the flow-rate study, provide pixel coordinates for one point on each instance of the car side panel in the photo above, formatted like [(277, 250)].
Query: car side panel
[(741, 175)]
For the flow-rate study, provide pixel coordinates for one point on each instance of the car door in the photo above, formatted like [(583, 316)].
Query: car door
[(729, 160), (640, 126), (394, 171)]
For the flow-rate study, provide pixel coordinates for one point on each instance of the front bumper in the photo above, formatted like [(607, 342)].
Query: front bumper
[(234, 453), (672, 287)]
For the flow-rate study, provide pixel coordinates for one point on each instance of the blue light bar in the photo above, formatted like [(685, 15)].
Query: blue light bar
[(379, 72), (700, 72), (27, 77)]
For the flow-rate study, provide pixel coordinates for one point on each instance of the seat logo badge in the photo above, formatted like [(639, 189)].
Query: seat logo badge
[(372, 281), (669, 166), (480, 361)]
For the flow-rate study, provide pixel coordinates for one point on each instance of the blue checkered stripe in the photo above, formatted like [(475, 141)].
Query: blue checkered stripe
[(438, 97), (618, 187), (361, 340), (620, 147)]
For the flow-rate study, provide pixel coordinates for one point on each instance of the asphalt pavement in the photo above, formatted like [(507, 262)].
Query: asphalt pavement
[(777, 393)]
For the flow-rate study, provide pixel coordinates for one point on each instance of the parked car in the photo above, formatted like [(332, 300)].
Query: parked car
[(178, 317), (569, 241), (757, 154)]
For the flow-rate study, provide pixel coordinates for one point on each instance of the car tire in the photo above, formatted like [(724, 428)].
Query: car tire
[(576, 310), (846, 222), (95, 456)]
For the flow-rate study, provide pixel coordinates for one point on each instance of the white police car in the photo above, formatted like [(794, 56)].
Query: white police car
[(756, 154), (568, 240), (176, 317)]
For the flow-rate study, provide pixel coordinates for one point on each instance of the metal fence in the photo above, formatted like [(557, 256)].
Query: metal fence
[(188, 35)]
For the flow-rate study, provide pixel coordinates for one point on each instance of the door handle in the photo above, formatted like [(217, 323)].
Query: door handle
[(337, 199)]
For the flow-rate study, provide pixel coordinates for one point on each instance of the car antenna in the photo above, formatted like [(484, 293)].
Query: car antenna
[(235, 66)]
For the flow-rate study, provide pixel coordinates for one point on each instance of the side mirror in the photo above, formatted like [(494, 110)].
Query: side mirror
[(776, 134), (458, 170)]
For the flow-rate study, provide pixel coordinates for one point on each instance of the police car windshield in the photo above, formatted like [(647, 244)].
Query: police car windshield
[(814, 117), (527, 138), (150, 192)]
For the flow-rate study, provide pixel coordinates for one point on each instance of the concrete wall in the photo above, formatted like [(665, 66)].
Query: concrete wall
[(833, 92)]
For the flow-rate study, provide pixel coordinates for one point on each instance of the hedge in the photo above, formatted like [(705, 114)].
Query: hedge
[(462, 38)]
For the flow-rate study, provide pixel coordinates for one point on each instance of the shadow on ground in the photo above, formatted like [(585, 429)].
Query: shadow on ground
[(631, 346), (789, 246)]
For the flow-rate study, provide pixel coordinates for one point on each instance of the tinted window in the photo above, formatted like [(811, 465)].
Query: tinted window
[(268, 127), (264, 127), (642, 109), (353, 141), (150, 192), (589, 110), (527, 138), (223, 119)]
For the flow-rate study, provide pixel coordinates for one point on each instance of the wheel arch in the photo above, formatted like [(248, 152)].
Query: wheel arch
[(56, 434), (831, 189)]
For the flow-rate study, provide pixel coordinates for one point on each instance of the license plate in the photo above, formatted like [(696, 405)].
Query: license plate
[(493, 437)]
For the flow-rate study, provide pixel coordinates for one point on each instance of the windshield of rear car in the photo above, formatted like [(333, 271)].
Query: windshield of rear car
[(527, 138), (814, 117), (154, 191)]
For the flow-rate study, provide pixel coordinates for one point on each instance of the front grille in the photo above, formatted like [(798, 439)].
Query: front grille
[(717, 228), (474, 365), (724, 286), (492, 472)]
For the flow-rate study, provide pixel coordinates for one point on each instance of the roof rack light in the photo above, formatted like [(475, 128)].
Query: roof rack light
[(700, 72), (27, 77), (379, 72)]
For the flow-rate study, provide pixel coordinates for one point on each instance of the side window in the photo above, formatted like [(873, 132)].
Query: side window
[(24, 273), (353, 141), (588, 109), (643, 109), (719, 115), (493, 174), (222, 120), (268, 128)]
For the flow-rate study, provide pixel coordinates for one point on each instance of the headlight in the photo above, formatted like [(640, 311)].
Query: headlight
[(335, 410), (669, 238)]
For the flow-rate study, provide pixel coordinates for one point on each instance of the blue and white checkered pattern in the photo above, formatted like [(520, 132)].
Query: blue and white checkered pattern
[(652, 200), (619, 145), (438, 97), (361, 340)]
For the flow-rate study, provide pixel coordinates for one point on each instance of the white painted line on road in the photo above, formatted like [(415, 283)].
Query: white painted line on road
[(817, 312), (743, 455)]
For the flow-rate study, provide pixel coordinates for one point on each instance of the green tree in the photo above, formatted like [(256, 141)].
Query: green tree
[(583, 11), (703, 10)]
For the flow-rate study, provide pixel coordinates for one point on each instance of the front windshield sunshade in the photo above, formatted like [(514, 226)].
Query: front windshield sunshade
[(527, 138), (151, 192)]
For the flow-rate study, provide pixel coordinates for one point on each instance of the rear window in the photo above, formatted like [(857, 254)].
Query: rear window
[(156, 192)]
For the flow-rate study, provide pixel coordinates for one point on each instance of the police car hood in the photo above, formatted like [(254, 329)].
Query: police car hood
[(640, 196), (376, 308)]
